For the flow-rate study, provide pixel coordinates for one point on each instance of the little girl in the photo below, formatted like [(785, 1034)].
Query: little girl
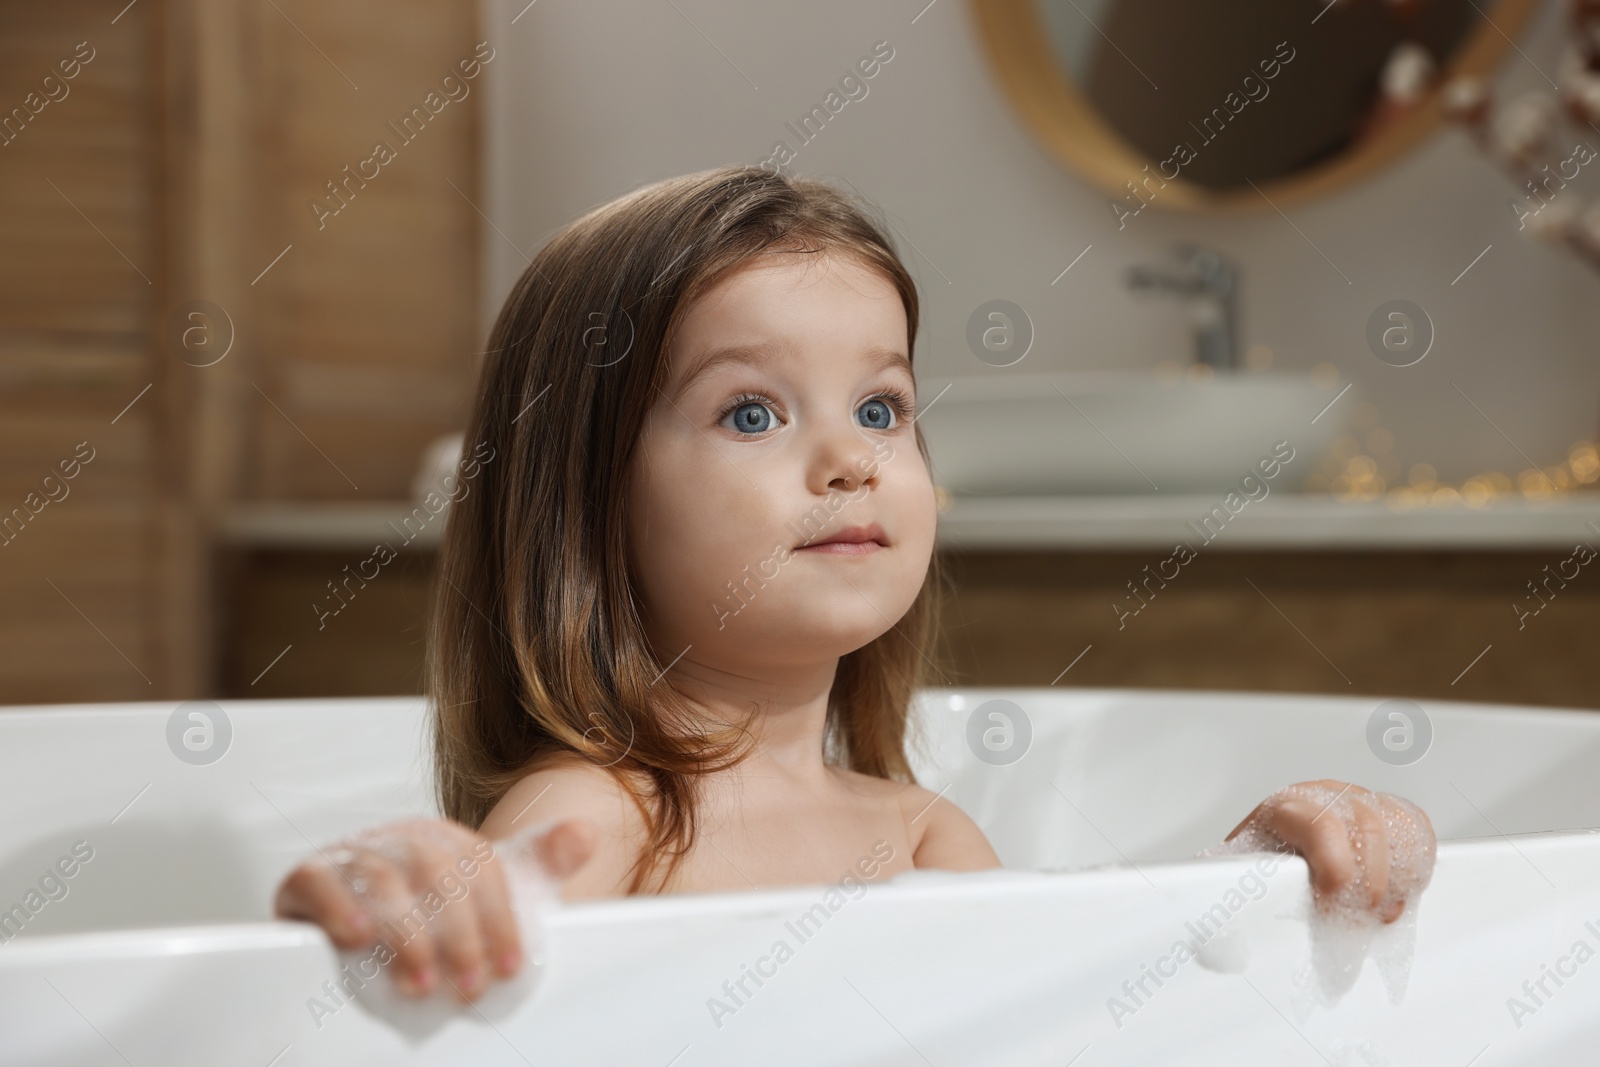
[(683, 612)]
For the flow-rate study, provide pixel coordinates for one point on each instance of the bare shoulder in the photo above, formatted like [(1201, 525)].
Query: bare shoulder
[(576, 789), (942, 835)]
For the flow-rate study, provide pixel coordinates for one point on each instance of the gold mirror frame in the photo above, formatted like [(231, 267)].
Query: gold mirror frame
[(1062, 118)]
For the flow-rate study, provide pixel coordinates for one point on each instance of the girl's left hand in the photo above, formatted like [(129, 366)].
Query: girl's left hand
[(1367, 851)]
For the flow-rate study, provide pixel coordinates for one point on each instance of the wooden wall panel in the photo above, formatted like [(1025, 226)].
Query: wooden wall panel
[(1406, 624), (374, 645), (371, 340), (190, 147), (95, 148), (1396, 623), (95, 560), (79, 282)]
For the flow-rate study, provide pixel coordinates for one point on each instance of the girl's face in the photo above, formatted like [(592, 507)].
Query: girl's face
[(786, 420)]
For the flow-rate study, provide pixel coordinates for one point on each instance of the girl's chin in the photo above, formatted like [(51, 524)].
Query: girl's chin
[(797, 643), (830, 639)]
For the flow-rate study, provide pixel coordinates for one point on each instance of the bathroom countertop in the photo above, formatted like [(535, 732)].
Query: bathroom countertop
[(1281, 521)]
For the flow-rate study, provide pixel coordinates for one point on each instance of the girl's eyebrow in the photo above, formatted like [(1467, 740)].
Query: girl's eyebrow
[(752, 355), (887, 359), (762, 353)]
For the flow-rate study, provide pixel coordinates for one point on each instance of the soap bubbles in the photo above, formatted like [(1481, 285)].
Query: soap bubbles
[(1347, 926)]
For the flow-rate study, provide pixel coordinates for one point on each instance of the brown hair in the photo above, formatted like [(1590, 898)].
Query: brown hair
[(536, 651)]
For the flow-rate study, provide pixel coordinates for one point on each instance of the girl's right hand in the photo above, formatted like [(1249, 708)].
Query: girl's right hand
[(378, 880)]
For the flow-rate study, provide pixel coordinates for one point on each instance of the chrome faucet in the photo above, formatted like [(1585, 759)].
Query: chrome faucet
[(1209, 282)]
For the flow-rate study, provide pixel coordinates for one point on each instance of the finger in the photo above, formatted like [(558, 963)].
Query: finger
[(497, 924), (1320, 836), (1372, 851), (318, 893), (444, 897), (558, 851), (1412, 850), (407, 926), (566, 848)]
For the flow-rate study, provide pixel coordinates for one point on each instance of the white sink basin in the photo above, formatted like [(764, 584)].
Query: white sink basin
[(1097, 433)]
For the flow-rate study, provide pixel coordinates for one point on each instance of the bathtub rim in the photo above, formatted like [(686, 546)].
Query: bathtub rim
[(32, 950), (1325, 701)]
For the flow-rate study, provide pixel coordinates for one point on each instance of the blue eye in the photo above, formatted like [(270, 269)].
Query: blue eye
[(751, 417), (879, 415)]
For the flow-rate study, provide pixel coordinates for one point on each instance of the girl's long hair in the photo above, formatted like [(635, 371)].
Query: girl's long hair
[(536, 652)]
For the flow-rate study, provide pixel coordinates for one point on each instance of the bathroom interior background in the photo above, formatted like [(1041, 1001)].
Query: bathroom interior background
[(192, 555)]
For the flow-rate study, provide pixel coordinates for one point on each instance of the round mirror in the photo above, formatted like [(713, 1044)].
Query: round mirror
[(1235, 103)]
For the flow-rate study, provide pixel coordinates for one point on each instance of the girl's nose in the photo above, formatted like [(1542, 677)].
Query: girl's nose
[(844, 461)]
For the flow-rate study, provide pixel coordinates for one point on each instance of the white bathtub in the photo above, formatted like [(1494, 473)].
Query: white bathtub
[(160, 953)]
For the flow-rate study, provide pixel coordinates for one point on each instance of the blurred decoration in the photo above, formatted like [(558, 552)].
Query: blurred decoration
[(1543, 140), (1408, 75), (1362, 466)]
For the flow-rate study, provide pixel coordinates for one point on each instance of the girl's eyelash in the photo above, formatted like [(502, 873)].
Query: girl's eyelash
[(898, 399), (901, 401), (740, 401)]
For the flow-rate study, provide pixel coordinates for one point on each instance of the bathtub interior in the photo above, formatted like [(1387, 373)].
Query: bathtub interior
[(177, 843), (171, 964), (1109, 777), (1119, 776)]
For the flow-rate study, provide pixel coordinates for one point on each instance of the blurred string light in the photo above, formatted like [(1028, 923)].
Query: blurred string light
[(1361, 465)]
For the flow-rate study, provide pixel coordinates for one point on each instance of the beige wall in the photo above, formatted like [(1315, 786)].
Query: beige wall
[(983, 212)]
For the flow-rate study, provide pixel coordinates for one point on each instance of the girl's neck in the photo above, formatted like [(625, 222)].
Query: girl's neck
[(786, 708)]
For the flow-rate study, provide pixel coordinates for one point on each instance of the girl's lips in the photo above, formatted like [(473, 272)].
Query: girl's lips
[(850, 541), (844, 548)]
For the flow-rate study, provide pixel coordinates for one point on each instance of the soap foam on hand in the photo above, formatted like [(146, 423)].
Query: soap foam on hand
[(369, 973), (1344, 929)]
